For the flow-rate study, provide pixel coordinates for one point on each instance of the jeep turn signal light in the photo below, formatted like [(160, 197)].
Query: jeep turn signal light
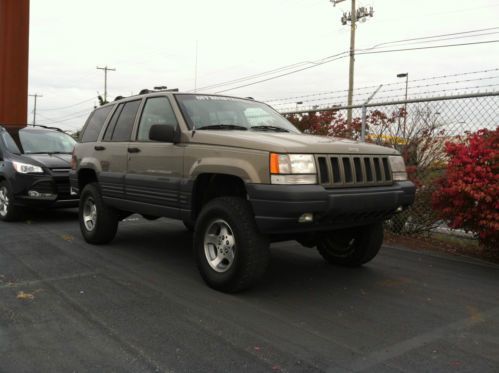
[(274, 163)]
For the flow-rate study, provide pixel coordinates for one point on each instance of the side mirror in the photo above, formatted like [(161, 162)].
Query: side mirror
[(162, 133)]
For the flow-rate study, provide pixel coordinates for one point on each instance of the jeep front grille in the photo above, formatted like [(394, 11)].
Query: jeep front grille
[(337, 171)]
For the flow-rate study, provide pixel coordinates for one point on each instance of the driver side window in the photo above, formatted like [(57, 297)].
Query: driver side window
[(157, 110)]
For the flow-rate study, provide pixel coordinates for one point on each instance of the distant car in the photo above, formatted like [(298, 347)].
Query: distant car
[(34, 170)]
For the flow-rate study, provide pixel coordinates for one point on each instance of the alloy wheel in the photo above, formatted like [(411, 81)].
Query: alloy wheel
[(220, 245)]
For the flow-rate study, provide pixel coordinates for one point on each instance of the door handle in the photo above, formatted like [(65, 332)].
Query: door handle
[(133, 150), (97, 147)]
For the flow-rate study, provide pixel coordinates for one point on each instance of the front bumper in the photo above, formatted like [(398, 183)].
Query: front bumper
[(54, 191), (277, 208)]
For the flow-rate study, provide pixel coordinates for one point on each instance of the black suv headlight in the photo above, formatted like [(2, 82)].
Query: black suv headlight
[(26, 168)]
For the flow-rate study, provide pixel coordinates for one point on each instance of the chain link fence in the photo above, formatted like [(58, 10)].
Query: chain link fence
[(419, 129)]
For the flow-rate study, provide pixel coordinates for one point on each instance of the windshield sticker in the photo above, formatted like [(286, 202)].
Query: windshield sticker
[(215, 98)]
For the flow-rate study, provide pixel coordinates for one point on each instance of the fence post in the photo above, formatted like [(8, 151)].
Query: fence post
[(363, 128), (364, 114)]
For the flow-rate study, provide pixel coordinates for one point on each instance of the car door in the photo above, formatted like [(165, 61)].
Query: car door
[(155, 168), (113, 150)]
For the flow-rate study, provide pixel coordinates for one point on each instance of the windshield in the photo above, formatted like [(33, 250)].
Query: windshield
[(229, 113), (45, 142)]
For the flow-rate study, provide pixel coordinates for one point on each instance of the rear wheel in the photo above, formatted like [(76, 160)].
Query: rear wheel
[(231, 253), (353, 246), (98, 222), (8, 211)]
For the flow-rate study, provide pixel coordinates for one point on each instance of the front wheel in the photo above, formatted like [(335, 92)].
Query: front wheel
[(98, 222), (8, 211), (231, 253), (353, 246)]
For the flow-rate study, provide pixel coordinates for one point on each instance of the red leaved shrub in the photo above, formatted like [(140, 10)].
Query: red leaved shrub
[(469, 193)]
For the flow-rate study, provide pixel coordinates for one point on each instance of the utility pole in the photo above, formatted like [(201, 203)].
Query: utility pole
[(106, 69), (35, 96), (353, 16)]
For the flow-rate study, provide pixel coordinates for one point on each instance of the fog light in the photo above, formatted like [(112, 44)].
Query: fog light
[(306, 218), (73, 191), (35, 194)]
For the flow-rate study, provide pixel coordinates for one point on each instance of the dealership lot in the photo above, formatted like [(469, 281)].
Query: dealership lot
[(139, 304)]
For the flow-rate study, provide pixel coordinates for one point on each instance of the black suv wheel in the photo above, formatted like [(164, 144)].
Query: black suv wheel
[(231, 254), (8, 211), (98, 222), (353, 246)]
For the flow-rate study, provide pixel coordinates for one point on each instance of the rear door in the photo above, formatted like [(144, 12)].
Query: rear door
[(113, 149), (155, 168)]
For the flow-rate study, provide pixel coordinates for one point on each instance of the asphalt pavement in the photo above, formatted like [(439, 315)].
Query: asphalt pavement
[(139, 305)]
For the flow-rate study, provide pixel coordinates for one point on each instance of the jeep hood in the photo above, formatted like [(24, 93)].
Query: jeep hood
[(282, 142)]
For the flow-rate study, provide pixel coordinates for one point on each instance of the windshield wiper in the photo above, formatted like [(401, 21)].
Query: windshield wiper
[(270, 128), (222, 127)]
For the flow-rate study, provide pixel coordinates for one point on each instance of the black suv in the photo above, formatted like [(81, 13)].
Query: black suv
[(34, 170)]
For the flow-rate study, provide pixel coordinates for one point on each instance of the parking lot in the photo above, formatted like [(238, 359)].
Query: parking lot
[(139, 305)]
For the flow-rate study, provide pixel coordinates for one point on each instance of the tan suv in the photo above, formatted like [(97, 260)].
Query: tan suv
[(240, 176)]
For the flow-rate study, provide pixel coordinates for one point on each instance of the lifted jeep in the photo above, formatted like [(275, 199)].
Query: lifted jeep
[(240, 176)]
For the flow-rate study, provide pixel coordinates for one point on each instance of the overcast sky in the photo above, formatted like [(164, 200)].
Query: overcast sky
[(153, 42)]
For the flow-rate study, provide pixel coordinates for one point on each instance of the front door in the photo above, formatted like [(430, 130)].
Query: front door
[(155, 168)]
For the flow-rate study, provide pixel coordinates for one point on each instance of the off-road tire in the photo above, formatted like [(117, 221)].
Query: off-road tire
[(351, 247), (251, 252), (13, 212), (107, 218)]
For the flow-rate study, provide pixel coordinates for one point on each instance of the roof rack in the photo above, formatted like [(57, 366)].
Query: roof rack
[(145, 91)]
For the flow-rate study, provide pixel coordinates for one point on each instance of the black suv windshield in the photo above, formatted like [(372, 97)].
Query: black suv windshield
[(230, 113), (41, 142)]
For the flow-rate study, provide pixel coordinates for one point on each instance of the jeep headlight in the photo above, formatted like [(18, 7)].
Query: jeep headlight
[(292, 169), (398, 168), (26, 168)]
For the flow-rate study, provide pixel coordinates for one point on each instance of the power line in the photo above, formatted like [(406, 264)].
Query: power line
[(70, 116), (431, 47), (68, 106), (68, 119), (320, 61), (431, 37), (370, 52)]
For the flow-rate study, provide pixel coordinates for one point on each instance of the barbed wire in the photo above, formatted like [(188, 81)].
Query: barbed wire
[(385, 85), (385, 99), (412, 88)]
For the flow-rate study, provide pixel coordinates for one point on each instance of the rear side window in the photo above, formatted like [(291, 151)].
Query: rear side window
[(124, 125), (112, 123), (95, 124)]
